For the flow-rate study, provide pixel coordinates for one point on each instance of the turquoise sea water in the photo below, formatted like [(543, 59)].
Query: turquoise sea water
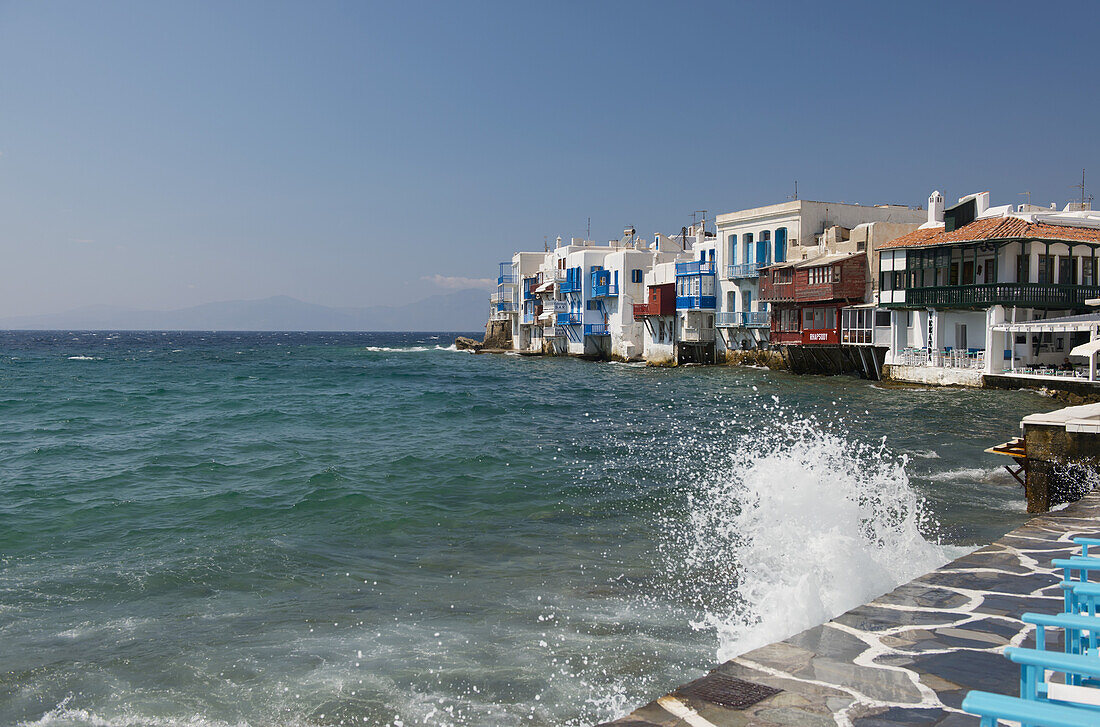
[(324, 529)]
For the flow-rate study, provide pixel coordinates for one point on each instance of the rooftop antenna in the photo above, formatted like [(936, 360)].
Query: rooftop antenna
[(795, 195), (545, 244), (1021, 194), (697, 215), (1084, 198), (588, 233)]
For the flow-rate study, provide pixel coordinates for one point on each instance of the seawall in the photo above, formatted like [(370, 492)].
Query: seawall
[(906, 658)]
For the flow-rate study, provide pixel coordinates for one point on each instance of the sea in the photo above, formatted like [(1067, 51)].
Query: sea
[(283, 529)]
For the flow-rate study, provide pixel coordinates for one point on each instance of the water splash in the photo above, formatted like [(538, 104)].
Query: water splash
[(799, 525)]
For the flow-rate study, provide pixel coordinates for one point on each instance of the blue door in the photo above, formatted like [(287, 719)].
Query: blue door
[(781, 245), (762, 252)]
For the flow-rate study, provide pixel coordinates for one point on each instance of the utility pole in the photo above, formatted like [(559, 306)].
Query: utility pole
[(1084, 197)]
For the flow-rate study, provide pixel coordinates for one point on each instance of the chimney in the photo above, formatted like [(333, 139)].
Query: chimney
[(981, 203), (935, 208), (559, 241)]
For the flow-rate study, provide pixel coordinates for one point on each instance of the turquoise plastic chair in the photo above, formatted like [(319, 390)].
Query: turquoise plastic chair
[(993, 707), (1035, 663)]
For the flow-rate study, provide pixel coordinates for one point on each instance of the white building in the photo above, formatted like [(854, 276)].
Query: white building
[(755, 238), (955, 283)]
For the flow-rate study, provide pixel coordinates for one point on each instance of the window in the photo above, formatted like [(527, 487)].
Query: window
[(823, 274), (636, 276), (731, 246), (1046, 268), (882, 318), (1067, 270), (592, 305), (783, 275), (1088, 271), (781, 245), (1023, 267), (787, 320)]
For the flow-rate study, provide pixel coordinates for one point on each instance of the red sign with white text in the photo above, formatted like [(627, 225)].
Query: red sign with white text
[(822, 335)]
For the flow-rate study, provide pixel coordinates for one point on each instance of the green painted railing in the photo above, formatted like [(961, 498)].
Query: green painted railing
[(1031, 295)]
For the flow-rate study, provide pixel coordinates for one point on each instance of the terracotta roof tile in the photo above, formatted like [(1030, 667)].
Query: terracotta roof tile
[(995, 228)]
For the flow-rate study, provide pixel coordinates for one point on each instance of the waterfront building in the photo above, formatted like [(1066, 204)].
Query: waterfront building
[(658, 315), (756, 238), (954, 284), (620, 285), (526, 332), (696, 297)]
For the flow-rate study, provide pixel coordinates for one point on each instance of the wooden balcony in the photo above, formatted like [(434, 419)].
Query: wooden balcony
[(776, 292), (1028, 295)]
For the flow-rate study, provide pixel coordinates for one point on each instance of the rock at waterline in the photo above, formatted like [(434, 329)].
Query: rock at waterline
[(462, 343)]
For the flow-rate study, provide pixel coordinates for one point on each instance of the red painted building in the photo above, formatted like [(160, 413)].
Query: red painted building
[(805, 296)]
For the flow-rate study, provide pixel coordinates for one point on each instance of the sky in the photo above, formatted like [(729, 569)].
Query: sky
[(166, 154)]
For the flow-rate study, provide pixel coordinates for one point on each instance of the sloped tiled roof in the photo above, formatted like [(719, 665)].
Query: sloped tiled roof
[(995, 228)]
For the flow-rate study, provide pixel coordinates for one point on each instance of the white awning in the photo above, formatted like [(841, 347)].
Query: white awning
[(1086, 349)]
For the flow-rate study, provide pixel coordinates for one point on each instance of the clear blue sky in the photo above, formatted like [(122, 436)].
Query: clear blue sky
[(159, 154)]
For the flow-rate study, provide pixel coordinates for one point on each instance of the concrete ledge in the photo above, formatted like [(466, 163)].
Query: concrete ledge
[(911, 655), (933, 375)]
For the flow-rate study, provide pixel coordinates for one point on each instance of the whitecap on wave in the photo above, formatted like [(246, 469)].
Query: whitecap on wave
[(391, 349), (85, 358)]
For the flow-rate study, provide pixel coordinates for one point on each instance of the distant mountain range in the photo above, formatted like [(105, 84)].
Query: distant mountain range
[(463, 310)]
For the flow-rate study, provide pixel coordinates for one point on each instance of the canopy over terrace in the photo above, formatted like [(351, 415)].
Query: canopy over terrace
[(1086, 323)]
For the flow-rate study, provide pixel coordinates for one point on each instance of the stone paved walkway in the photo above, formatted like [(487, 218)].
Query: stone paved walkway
[(908, 657)]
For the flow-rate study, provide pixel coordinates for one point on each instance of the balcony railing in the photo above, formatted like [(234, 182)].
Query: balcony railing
[(744, 270), (506, 279), (596, 329), (695, 267), (727, 319), (755, 319), (568, 319), (529, 318), (605, 291), (695, 302), (570, 286), (742, 319), (1031, 295), (500, 297), (504, 307)]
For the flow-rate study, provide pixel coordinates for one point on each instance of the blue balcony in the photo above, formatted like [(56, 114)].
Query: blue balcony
[(505, 307), (570, 286), (505, 276), (603, 285), (528, 318), (596, 329), (727, 319), (695, 302), (606, 290), (745, 270), (695, 267), (755, 319), (529, 285), (568, 319)]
